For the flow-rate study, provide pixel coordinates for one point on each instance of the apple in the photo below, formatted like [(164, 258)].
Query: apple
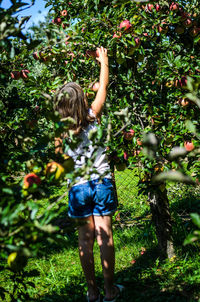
[(30, 179), (58, 20), (16, 261), (15, 75), (149, 7), (126, 156), (163, 28), (139, 142), (95, 87), (174, 7), (183, 102), (179, 30), (35, 55), (183, 82), (92, 53), (129, 135), (24, 73), (187, 23), (137, 41), (54, 168), (158, 7), (68, 163), (125, 25), (117, 35), (194, 31), (189, 146), (63, 13)]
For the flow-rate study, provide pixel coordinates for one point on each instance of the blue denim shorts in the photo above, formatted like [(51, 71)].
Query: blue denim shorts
[(95, 197)]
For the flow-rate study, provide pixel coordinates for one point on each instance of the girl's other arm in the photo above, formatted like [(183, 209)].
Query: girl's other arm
[(97, 104)]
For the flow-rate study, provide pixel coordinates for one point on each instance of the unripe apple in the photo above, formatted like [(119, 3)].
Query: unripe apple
[(63, 13), (125, 25), (15, 75), (68, 163), (189, 146), (174, 7), (31, 179), (54, 168), (95, 87)]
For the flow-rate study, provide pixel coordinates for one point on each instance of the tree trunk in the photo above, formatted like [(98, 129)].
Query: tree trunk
[(161, 217)]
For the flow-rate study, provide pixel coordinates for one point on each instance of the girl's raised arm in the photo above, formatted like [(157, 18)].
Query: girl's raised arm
[(100, 98)]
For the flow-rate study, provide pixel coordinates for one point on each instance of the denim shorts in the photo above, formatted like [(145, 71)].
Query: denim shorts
[(95, 197)]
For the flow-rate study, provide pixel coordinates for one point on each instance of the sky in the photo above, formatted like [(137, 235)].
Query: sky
[(37, 11)]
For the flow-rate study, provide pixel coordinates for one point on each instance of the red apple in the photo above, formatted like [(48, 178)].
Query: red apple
[(129, 134), (31, 179), (158, 7), (95, 87), (137, 41), (187, 23), (163, 28), (174, 7), (24, 73), (35, 55), (63, 13), (58, 20), (117, 35), (15, 75), (126, 156), (139, 142), (149, 7), (125, 25), (194, 31), (92, 53), (183, 102), (183, 82), (189, 146)]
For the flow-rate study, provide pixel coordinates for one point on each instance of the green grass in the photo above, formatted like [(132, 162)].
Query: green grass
[(145, 277)]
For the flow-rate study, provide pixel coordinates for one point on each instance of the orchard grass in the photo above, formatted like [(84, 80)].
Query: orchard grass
[(138, 266)]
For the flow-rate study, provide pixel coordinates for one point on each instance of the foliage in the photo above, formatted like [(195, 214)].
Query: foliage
[(154, 90)]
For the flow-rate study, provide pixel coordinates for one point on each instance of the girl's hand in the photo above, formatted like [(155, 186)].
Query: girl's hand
[(103, 57)]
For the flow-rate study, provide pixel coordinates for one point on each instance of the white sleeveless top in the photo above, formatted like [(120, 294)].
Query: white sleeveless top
[(86, 150)]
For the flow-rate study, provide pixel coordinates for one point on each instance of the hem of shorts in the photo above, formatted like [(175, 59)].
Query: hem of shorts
[(93, 214)]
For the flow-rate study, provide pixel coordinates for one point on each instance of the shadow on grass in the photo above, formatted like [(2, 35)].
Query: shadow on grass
[(137, 288)]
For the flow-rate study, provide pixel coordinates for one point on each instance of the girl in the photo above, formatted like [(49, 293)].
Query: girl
[(91, 201)]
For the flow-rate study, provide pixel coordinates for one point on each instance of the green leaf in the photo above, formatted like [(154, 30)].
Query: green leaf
[(195, 219)]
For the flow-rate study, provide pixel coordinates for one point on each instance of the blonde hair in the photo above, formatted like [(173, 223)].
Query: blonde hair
[(70, 101)]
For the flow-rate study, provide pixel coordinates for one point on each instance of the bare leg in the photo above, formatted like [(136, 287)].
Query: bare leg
[(86, 238), (103, 229)]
